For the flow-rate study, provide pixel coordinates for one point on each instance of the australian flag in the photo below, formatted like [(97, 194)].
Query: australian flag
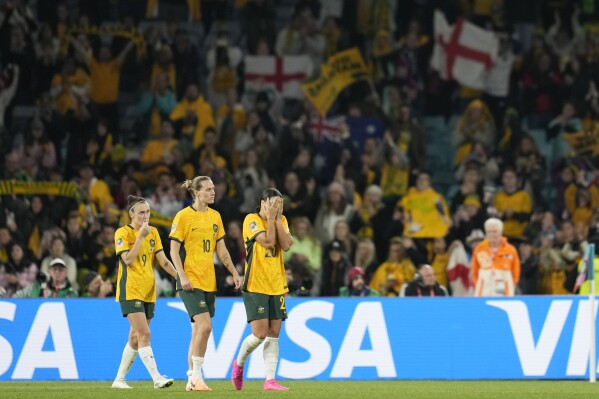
[(362, 128)]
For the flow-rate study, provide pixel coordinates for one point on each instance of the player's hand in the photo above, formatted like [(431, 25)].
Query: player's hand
[(271, 208), (185, 283), (237, 281), (144, 230), (280, 208)]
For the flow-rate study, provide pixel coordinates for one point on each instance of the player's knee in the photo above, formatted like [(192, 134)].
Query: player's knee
[(133, 341), (204, 329), (143, 336)]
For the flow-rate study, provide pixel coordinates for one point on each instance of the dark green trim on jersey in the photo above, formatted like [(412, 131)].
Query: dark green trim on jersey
[(175, 239), (249, 245), (123, 281)]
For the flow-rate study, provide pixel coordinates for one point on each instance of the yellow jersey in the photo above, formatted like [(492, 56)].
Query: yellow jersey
[(264, 268), (105, 77), (198, 232), (136, 281), (521, 204)]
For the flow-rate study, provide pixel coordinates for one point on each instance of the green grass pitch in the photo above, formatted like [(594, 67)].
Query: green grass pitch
[(313, 390)]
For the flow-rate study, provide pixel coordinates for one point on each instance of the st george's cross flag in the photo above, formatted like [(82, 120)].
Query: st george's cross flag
[(284, 74), (463, 52)]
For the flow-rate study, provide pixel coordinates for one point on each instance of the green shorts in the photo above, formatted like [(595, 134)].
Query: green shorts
[(137, 306), (262, 306), (198, 301)]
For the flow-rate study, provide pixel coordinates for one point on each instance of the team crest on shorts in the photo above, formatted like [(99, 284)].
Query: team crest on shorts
[(214, 229), (260, 309), (202, 304), (137, 304)]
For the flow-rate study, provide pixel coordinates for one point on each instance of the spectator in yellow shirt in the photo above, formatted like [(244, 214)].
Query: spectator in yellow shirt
[(194, 115), (105, 76), (69, 88), (95, 189), (157, 154)]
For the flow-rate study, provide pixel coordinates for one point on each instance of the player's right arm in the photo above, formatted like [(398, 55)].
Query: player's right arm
[(177, 237), (129, 256)]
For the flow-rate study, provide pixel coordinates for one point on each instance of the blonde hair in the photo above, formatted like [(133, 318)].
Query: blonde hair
[(194, 185)]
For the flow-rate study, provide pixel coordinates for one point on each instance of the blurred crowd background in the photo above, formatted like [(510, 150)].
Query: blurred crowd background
[(101, 99)]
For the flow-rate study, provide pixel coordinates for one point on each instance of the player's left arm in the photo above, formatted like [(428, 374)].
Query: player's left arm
[(223, 254), (283, 235), (166, 264)]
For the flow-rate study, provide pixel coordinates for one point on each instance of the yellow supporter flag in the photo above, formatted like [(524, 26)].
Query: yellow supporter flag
[(585, 141), (341, 70)]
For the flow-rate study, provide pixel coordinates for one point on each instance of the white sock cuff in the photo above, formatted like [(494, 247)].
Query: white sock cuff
[(189, 372), (129, 348), (145, 351), (252, 339), (271, 339), (197, 358)]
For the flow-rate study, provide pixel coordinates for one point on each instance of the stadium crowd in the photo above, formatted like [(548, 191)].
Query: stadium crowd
[(102, 99)]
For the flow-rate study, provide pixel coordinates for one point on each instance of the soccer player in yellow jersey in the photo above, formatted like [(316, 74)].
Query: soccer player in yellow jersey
[(137, 245), (200, 229), (266, 233)]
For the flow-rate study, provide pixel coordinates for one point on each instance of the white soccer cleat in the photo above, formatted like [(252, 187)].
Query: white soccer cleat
[(120, 384), (163, 382), (189, 386)]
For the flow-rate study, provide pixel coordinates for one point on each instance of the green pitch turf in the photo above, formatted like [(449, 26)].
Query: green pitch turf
[(313, 390)]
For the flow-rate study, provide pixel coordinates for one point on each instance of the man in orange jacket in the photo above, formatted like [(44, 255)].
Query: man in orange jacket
[(495, 263)]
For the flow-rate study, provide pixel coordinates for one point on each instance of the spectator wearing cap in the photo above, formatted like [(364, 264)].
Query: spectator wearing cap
[(95, 287), (335, 266), (495, 263), (529, 262), (423, 284), (356, 285), (57, 286), (57, 250), (395, 271)]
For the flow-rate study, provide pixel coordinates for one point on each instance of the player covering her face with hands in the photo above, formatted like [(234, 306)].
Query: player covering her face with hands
[(200, 229), (266, 234), (137, 245)]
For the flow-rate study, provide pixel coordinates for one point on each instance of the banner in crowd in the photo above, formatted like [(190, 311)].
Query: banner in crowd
[(17, 187), (283, 74), (585, 142), (132, 34), (341, 70), (463, 52), (536, 337)]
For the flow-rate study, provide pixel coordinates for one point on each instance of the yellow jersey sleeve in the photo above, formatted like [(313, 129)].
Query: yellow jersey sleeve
[(121, 243), (157, 247), (220, 234), (252, 226), (178, 227)]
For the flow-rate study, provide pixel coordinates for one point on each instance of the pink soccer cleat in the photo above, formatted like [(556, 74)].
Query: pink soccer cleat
[(237, 376), (273, 385)]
